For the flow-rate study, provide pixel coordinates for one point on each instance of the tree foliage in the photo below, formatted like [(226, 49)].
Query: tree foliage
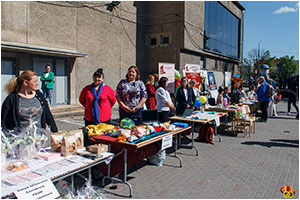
[(288, 66)]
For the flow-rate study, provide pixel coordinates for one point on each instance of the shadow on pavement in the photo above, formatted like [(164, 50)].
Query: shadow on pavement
[(270, 144), (284, 140)]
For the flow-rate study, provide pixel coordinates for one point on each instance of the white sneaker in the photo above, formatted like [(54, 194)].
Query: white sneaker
[(288, 113)]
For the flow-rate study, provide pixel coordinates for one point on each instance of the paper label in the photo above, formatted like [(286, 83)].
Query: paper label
[(166, 142), (217, 121), (44, 189)]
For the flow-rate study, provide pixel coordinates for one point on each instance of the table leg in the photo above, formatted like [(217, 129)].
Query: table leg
[(72, 183), (175, 150), (125, 172), (193, 146), (216, 132)]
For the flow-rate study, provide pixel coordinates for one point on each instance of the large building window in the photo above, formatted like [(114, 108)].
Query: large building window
[(221, 29)]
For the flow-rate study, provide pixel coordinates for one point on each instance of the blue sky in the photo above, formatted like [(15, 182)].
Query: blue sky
[(275, 24)]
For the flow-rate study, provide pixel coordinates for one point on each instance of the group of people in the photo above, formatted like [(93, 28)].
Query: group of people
[(26, 102)]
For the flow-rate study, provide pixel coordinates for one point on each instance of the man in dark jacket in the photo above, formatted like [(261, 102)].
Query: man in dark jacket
[(263, 98)]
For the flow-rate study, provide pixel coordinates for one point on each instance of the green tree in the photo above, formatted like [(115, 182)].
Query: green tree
[(288, 66)]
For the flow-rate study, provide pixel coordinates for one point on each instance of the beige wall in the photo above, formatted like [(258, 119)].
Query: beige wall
[(75, 29)]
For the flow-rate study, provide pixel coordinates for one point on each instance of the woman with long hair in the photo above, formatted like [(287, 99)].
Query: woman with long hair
[(150, 102), (25, 104), (131, 95), (183, 97)]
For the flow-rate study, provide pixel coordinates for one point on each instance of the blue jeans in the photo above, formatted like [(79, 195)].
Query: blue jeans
[(48, 93)]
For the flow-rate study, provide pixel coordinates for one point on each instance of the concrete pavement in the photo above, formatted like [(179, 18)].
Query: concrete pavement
[(236, 168)]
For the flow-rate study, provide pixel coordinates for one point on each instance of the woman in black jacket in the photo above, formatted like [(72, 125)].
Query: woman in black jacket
[(25, 104), (183, 97)]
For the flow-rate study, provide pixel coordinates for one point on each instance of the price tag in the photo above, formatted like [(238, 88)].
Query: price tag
[(217, 121), (166, 142), (44, 189)]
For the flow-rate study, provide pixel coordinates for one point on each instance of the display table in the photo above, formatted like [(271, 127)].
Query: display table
[(55, 169), (205, 119), (132, 154)]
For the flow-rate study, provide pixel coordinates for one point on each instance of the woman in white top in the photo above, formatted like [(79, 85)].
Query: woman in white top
[(163, 100)]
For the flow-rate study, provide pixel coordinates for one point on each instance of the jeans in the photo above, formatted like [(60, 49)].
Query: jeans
[(48, 93)]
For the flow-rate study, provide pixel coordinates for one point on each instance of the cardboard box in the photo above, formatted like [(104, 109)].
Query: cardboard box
[(97, 148)]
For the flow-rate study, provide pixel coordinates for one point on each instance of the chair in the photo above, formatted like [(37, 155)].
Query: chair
[(244, 124)]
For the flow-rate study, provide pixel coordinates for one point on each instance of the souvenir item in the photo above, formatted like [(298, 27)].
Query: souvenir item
[(127, 123)]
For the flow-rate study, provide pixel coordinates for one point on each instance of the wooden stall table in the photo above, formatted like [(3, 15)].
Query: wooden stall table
[(132, 153), (201, 121), (55, 169)]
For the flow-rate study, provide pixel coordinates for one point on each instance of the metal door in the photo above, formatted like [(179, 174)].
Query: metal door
[(8, 71)]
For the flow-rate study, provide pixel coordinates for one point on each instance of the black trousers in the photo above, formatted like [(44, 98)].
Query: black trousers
[(292, 101), (163, 116), (264, 109)]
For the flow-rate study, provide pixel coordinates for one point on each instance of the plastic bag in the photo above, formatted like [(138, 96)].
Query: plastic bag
[(158, 158), (64, 190), (90, 192)]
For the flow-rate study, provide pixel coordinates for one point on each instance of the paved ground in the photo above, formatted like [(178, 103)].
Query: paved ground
[(236, 168)]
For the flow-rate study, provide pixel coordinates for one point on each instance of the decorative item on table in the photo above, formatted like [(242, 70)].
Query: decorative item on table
[(23, 143), (181, 124), (239, 114), (69, 146), (139, 131), (16, 165), (98, 129), (203, 99), (198, 103), (127, 123)]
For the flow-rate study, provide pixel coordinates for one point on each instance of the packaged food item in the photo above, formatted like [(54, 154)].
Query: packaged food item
[(69, 146), (79, 136), (97, 148), (56, 141), (139, 131)]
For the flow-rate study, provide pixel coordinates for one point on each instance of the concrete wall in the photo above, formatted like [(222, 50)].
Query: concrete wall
[(83, 30), (165, 21)]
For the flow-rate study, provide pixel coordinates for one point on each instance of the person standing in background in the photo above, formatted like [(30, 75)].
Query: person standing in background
[(263, 98), (150, 102), (47, 79), (183, 97)]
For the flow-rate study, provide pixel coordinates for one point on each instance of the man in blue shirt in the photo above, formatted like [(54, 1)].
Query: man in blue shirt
[(263, 97)]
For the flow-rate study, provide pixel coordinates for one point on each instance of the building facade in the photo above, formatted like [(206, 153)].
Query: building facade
[(76, 38), (208, 33)]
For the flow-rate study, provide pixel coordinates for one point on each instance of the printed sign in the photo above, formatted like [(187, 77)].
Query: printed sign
[(166, 142), (168, 70), (193, 72), (38, 190), (217, 121), (227, 79), (211, 81)]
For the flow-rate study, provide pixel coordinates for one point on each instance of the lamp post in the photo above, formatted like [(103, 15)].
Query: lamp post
[(258, 51)]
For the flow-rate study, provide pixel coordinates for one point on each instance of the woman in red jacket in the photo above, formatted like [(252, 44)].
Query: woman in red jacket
[(150, 102), (97, 99)]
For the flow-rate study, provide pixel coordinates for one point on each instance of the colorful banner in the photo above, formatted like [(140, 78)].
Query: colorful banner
[(168, 70), (211, 81), (192, 71)]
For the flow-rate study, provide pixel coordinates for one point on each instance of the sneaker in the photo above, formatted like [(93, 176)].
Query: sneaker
[(288, 113)]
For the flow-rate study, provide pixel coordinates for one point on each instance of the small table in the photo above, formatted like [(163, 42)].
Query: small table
[(201, 121)]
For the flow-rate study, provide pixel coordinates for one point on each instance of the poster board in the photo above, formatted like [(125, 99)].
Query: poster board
[(211, 81), (227, 79), (236, 79), (192, 71), (167, 70)]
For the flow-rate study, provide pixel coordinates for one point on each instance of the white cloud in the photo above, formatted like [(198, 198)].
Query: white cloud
[(285, 9)]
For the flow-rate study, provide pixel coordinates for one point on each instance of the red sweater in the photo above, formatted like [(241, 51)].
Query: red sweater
[(106, 102)]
